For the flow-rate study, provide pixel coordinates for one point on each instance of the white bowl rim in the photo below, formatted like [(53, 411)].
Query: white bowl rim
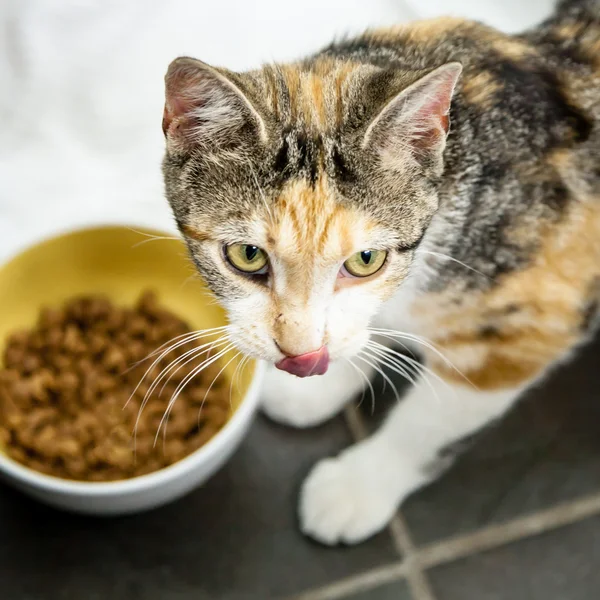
[(212, 449)]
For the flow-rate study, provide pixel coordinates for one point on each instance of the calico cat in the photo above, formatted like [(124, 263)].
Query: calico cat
[(435, 183)]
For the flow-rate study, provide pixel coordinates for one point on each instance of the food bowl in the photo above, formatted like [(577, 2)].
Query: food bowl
[(120, 262)]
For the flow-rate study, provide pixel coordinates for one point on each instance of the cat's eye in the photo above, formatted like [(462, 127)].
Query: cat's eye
[(365, 263), (247, 258)]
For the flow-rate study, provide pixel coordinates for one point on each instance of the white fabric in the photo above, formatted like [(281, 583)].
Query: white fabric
[(81, 90)]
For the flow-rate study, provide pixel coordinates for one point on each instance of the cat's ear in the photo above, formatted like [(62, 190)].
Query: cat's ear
[(205, 107), (417, 119)]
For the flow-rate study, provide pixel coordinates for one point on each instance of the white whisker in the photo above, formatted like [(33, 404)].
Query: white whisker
[(191, 355), (237, 374), (165, 349), (154, 239), (448, 257), (185, 381), (390, 361), (376, 367), (367, 380), (262, 194), (393, 335), (215, 379), (394, 364), (195, 352)]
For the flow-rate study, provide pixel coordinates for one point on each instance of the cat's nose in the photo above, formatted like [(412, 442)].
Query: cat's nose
[(305, 365)]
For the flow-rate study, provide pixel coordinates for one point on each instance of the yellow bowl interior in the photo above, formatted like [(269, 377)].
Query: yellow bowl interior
[(120, 263)]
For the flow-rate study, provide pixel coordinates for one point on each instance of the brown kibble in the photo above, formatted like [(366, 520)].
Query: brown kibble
[(68, 447), (51, 318), (54, 338), (120, 456), (76, 467), (60, 362), (13, 357), (14, 420), (8, 376), (4, 437), (30, 362), (40, 417), (136, 351), (40, 385), (148, 303), (114, 321), (214, 414), (175, 449), (115, 359), (205, 434), (137, 326), (18, 339), (67, 401), (97, 344), (21, 391), (46, 438), (17, 453)]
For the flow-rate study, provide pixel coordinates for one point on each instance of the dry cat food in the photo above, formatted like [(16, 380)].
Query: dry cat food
[(65, 385)]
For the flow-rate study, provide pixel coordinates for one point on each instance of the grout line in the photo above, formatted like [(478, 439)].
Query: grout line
[(355, 423), (495, 536), (401, 538), (452, 549), (415, 574), (356, 583)]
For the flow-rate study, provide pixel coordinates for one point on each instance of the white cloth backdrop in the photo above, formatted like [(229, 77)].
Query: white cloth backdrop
[(81, 90)]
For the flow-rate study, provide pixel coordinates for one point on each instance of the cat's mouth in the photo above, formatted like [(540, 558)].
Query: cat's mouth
[(306, 365)]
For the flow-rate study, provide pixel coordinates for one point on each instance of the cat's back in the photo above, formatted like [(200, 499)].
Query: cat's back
[(521, 101)]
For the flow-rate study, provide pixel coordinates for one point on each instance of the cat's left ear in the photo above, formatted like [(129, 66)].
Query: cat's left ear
[(206, 107), (417, 119)]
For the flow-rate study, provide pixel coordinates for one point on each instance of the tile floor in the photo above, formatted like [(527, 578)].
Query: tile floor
[(517, 518)]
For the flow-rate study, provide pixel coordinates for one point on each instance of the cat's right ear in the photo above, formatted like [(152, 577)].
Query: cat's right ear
[(204, 107), (415, 122)]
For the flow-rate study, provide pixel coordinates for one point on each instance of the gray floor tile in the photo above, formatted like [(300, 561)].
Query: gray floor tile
[(545, 451), (391, 591), (559, 565), (236, 538)]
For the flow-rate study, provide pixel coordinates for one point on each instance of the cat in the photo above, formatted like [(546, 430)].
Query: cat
[(435, 183)]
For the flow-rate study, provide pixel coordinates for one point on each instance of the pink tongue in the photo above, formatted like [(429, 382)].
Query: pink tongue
[(305, 365)]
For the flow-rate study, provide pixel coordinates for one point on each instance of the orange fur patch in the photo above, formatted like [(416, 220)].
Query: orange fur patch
[(481, 88), (341, 77), (587, 34), (195, 234), (428, 33), (316, 94), (550, 295), (424, 32), (291, 74)]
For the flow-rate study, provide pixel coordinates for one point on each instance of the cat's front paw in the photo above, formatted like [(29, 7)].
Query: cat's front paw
[(344, 499), (309, 401)]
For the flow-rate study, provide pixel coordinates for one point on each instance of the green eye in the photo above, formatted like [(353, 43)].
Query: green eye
[(365, 263), (247, 258)]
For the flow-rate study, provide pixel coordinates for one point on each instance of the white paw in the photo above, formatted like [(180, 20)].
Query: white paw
[(310, 401), (349, 498)]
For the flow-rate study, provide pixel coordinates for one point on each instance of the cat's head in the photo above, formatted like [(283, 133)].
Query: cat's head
[(303, 191)]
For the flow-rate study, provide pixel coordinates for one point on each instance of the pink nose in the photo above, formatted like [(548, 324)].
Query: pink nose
[(305, 365)]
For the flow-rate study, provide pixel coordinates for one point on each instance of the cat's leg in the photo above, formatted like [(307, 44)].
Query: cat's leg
[(348, 498), (304, 402)]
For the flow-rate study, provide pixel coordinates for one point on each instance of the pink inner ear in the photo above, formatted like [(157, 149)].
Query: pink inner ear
[(431, 118), (430, 127), (175, 108), (166, 120), (183, 86)]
